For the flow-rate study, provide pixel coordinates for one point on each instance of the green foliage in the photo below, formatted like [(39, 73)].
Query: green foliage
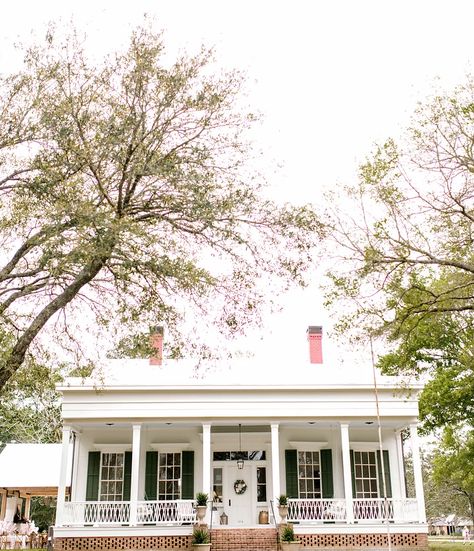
[(283, 500), (440, 499), (200, 536), (201, 499), (30, 406), (288, 533), (43, 512), (405, 268), (453, 464), (127, 193)]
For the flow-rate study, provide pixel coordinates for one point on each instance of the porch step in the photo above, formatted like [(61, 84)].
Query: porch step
[(244, 539)]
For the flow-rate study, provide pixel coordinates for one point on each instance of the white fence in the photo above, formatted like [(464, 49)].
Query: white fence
[(166, 512), (316, 509), (364, 510), (99, 513), (80, 513), (375, 510)]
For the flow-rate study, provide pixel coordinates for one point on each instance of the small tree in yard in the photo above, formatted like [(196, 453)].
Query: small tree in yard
[(126, 193)]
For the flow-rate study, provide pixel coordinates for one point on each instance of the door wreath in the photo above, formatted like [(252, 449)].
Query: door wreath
[(239, 487)]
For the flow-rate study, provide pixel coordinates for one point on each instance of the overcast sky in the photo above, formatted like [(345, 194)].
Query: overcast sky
[(330, 78)]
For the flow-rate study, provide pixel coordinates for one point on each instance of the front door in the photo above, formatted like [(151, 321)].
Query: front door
[(238, 501)]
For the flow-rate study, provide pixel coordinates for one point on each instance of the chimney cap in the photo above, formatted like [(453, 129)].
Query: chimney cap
[(157, 330), (315, 330)]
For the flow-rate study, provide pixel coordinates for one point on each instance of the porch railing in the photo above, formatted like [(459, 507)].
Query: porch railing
[(364, 510), (180, 511), (316, 509), (396, 510), (97, 513), (79, 513)]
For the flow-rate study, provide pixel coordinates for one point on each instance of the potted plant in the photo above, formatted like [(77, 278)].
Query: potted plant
[(201, 539), (201, 506), (288, 539), (283, 507)]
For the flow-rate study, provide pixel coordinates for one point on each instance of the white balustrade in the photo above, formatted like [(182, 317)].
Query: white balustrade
[(180, 511), (376, 510), (95, 513), (80, 513), (316, 510), (365, 510)]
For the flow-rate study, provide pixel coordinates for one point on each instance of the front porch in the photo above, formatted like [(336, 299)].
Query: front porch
[(182, 512)]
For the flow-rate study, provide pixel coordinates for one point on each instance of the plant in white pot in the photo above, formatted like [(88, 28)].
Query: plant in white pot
[(288, 539), (201, 506), (283, 507), (201, 539)]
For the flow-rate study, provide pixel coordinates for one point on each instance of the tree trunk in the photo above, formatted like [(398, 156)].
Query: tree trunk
[(17, 355)]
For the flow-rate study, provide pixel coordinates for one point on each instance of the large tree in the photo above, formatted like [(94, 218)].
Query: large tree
[(406, 265), (126, 191), (453, 465)]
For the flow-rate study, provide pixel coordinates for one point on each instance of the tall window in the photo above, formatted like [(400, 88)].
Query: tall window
[(365, 474), (261, 484), (217, 485), (309, 475), (169, 476), (111, 477)]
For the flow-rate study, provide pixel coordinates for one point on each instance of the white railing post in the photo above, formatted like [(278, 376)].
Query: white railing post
[(275, 431), (420, 496), (63, 476), (135, 473), (346, 468)]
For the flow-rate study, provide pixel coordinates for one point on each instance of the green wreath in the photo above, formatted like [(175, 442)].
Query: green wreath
[(240, 487)]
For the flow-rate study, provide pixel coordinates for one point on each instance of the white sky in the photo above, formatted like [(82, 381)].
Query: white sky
[(330, 78)]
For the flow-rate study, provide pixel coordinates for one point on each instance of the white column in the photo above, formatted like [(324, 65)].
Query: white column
[(346, 470), (415, 451), (275, 430), (27, 507), (401, 463), (136, 436), (63, 476), (206, 460), (3, 503)]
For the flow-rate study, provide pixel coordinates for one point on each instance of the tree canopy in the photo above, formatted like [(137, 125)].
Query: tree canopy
[(452, 465), (127, 192), (406, 267)]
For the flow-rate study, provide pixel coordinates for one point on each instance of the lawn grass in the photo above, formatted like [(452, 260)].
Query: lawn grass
[(450, 545)]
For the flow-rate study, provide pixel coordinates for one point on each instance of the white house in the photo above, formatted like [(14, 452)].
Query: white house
[(150, 436)]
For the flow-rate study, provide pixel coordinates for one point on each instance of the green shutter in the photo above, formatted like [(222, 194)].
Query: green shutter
[(291, 466), (151, 475), (351, 453), (187, 475), (327, 485), (386, 465), (127, 476), (93, 471)]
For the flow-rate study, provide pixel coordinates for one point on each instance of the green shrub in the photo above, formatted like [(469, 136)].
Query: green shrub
[(201, 499), (283, 500), (200, 535), (288, 533)]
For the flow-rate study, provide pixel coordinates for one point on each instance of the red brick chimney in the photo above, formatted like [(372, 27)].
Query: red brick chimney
[(156, 342), (315, 338)]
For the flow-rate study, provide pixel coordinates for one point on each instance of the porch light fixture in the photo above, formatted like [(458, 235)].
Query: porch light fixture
[(240, 461)]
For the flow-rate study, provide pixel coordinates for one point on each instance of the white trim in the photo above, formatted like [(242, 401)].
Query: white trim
[(169, 446), (364, 446), (307, 446), (113, 448), (360, 529)]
